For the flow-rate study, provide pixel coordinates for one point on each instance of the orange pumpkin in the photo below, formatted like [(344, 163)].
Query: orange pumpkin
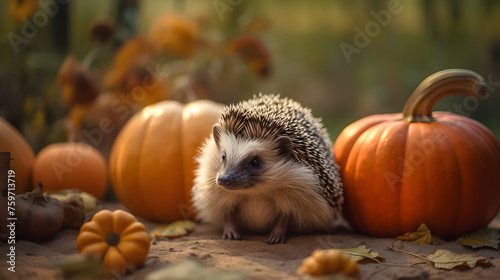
[(21, 153), (438, 168), (117, 238), (71, 165), (152, 160)]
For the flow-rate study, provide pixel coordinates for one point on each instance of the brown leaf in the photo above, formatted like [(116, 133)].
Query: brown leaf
[(421, 236), (74, 212)]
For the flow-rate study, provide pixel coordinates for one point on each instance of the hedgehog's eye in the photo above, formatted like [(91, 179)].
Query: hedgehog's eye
[(255, 161), (224, 157)]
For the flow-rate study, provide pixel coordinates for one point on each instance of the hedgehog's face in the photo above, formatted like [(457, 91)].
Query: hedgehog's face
[(244, 163)]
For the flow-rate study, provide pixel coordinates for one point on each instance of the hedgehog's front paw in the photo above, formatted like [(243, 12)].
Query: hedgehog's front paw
[(231, 233), (278, 234), (276, 237)]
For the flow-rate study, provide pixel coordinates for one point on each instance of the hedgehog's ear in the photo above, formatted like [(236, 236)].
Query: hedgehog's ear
[(216, 131), (285, 146)]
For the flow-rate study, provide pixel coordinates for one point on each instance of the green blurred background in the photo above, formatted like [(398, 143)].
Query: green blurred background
[(303, 38)]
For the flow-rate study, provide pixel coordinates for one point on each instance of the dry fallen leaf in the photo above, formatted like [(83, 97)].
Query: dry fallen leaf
[(486, 237), (361, 252), (174, 229), (449, 260), (421, 236)]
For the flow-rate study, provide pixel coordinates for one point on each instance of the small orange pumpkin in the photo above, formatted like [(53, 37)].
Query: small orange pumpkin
[(21, 153), (117, 238), (71, 165), (437, 168), (152, 160)]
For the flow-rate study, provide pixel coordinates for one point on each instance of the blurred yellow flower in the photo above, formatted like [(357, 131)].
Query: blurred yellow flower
[(19, 9), (135, 49), (77, 85), (175, 35)]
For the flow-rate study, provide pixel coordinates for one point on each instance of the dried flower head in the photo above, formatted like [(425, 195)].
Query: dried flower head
[(77, 85), (142, 85), (254, 53), (101, 30), (175, 35)]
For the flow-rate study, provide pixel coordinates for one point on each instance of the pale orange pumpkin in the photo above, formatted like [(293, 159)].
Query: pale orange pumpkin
[(152, 160), (116, 238), (21, 153), (71, 165), (437, 168)]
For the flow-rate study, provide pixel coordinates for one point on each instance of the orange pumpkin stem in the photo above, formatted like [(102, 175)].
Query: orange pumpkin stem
[(445, 83)]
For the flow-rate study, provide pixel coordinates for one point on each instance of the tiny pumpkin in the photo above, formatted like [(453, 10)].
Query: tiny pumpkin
[(437, 168), (11, 140), (71, 165), (152, 160), (117, 238)]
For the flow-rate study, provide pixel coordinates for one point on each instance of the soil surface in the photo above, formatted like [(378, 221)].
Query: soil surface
[(253, 256)]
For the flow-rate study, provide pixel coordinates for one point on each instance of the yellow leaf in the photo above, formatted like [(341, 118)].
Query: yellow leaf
[(361, 252), (486, 237), (421, 236), (449, 260), (174, 229), (89, 201)]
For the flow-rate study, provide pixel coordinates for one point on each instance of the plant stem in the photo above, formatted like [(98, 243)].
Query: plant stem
[(409, 253)]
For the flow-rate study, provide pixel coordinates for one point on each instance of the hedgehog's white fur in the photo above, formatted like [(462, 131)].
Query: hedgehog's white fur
[(287, 188)]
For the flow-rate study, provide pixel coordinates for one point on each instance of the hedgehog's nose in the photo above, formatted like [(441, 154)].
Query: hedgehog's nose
[(224, 180)]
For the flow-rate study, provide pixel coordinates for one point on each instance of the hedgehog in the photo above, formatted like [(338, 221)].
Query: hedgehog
[(268, 167)]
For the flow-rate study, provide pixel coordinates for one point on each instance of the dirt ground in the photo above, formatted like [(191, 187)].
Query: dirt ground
[(253, 256)]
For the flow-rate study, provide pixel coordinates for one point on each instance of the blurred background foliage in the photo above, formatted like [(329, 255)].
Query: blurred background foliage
[(243, 48)]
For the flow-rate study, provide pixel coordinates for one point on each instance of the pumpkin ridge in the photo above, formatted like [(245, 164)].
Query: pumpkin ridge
[(354, 151), (133, 228), (147, 146), (134, 261), (87, 238), (142, 159), (122, 220), (492, 151), (399, 185), (376, 151), (103, 222), (125, 193), (494, 145), (458, 167)]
